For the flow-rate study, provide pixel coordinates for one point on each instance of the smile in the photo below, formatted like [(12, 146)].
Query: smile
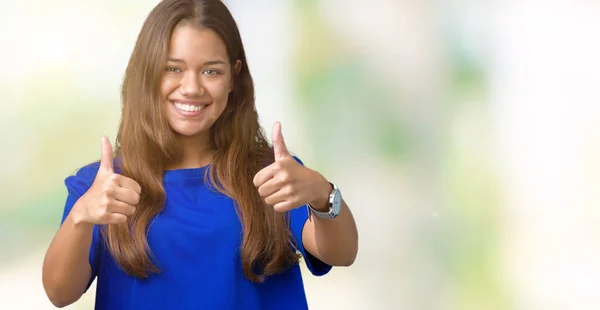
[(188, 107)]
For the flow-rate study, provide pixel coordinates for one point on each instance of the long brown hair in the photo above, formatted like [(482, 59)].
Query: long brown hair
[(146, 144)]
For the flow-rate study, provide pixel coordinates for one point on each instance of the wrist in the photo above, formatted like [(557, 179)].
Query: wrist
[(77, 216), (321, 203), (333, 205)]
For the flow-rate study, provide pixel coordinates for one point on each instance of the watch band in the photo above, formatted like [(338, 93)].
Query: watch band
[(329, 215)]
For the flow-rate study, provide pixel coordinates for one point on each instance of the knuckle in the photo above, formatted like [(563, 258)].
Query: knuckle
[(261, 191), (279, 207), (136, 199), (295, 201), (290, 189), (108, 190), (285, 177), (269, 200), (105, 209), (287, 160), (113, 178), (278, 182), (104, 217), (104, 201)]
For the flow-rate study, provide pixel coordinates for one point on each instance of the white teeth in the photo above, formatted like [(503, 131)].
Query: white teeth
[(187, 107)]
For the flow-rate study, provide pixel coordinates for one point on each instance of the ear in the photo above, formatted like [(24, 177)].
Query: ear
[(236, 70), (238, 66)]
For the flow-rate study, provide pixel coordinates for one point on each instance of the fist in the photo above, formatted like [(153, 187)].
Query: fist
[(286, 184), (111, 198)]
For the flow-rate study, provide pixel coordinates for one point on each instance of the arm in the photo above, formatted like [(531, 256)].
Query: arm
[(287, 184), (71, 261), (334, 242), (66, 271)]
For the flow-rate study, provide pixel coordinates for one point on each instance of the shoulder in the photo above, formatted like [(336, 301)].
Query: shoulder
[(78, 183), (88, 172)]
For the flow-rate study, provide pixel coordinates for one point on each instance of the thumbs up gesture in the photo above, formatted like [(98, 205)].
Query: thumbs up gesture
[(286, 184), (111, 198)]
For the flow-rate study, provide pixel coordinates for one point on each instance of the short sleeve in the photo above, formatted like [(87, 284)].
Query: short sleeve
[(298, 218), (77, 185)]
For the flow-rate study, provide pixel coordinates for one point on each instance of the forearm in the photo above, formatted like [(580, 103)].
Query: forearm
[(66, 270), (334, 242)]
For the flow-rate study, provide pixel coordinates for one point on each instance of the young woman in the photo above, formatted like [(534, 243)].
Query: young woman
[(196, 210)]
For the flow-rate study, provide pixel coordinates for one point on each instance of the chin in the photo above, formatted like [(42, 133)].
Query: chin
[(190, 131), (187, 132)]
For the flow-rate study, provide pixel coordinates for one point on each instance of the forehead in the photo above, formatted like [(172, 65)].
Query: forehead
[(196, 45)]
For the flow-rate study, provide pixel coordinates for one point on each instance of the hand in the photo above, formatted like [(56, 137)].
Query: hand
[(286, 184), (111, 198)]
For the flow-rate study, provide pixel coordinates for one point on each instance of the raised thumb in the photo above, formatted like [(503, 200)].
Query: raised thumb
[(106, 160), (279, 148)]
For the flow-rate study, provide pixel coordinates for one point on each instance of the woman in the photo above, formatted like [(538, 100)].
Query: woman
[(196, 210)]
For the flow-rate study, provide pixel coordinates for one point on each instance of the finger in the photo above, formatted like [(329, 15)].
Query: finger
[(119, 207), (280, 196), (127, 196), (264, 175), (129, 183), (106, 159), (116, 218), (284, 206), (279, 148), (269, 188)]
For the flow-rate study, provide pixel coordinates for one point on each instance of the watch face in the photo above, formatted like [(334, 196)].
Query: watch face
[(337, 202)]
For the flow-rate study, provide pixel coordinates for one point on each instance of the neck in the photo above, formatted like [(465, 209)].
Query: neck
[(196, 152)]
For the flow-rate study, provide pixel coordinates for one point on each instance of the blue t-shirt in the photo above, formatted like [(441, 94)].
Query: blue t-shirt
[(196, 242)]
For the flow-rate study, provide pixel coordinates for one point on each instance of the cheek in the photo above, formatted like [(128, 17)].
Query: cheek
[(219, 91), (167, 86)]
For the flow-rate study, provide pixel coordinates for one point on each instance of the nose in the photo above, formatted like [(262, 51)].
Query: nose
[(190, 85)]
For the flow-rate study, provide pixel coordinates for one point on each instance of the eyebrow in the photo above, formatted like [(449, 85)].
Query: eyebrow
[(207, 63)]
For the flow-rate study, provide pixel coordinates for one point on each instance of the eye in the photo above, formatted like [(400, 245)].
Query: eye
[(173, 69), (211, 72)]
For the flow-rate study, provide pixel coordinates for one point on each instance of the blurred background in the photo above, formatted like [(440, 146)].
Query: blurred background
[(464, 134)]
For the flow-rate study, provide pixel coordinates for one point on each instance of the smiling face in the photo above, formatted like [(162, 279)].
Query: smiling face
[(197, 81)]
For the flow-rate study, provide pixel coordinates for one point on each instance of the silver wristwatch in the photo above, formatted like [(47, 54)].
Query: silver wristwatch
[(335, 205)]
